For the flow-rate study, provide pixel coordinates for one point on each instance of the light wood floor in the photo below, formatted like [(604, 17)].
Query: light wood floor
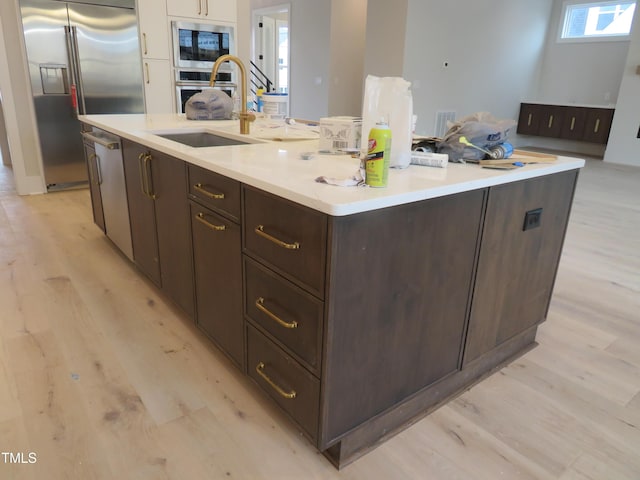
[(101, 379)]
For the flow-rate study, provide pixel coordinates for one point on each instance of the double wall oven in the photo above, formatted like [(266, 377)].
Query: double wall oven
[(196, 46)]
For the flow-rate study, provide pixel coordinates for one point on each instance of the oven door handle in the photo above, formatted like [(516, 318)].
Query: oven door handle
[(185, 83)]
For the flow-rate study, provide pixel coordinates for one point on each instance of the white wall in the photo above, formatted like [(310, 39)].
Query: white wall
[(493, 50), (624, 146), (17, 103), (582, 72), (346, 69), (385, 38)]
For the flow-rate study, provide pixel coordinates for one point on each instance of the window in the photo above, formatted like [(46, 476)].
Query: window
[(597, 20)]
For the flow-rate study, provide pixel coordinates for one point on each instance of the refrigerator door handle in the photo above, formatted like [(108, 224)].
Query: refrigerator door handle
[(74, 60), (73, 75)]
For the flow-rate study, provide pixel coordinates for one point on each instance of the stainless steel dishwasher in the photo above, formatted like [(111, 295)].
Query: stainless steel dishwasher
[(110, 178)]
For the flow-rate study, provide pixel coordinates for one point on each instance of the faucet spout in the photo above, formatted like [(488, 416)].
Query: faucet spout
[(245, 117)]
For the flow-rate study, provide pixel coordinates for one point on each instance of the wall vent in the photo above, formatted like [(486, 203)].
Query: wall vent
[(441, 122)]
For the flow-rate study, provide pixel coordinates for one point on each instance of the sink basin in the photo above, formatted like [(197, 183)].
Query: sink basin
[(201, 139)]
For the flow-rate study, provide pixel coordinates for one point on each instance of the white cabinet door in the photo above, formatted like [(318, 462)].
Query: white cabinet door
[(158, 86), (214, 10), (154, 29)]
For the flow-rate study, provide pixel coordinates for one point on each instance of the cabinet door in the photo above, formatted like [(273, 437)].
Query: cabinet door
[(529, 119), (399, 285), (222, 10), (551, 118), (168, 179), (573, 124), (154, 29), (218, 279), (598, 125), (225, 10), (517, 267), (141, 211), (94, 185), (158, 86)]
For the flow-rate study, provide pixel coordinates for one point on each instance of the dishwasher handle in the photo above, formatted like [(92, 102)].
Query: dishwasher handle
[(105, 142)]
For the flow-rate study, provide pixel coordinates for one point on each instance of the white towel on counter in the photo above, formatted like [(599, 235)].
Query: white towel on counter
[(356, 180)]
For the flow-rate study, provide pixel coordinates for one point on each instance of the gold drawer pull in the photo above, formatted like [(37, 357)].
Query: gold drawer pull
[(277, 388), (597, 127), (529, 118), (200, 218), (550, 121), (273, 316), (200, 188), (289, 246), (573, 123)]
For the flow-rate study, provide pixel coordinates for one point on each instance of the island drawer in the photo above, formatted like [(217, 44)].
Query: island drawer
[(288, 313), (215, 191), (292, 387), (288, 237)]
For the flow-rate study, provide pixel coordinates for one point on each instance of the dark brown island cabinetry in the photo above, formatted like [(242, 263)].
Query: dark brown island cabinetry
[(160, 221), (356, 325), (586, 124)]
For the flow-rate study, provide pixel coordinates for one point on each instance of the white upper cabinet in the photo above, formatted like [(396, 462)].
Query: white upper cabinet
[(214, 10), (158, 86), (154, 29)]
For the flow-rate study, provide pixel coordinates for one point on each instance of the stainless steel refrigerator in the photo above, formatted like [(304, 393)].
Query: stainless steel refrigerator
[(83, 58)]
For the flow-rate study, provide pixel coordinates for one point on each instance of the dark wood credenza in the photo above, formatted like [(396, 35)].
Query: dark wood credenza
[(584, 124)]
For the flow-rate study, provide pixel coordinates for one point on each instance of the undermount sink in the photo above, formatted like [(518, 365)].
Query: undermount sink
[(201, 139)]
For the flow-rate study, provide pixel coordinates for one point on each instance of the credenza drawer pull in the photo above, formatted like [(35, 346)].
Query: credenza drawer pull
[(260, 306), (289, 246), (200, 188), (260, 370), (200, 218), (597, 127)]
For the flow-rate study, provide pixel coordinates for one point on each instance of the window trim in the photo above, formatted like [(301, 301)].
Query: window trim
[(596, 38)]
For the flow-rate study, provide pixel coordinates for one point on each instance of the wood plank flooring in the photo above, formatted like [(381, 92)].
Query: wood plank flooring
[(102, 379)]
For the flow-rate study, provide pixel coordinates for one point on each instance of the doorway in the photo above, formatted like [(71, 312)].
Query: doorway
[(270, 53)]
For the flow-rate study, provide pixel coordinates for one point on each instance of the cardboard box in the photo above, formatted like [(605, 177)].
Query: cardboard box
[(340, 133)]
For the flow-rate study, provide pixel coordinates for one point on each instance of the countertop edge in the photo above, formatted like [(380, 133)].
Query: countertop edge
[(323, 203)]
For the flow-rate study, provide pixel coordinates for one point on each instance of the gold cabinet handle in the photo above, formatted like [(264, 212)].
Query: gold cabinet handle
[(597, 127), (144, 43), (200, 188), (289, 246), (573, 123), (529, 119), (145, 178), (201, 219), (550, 120), (283, 393), (260, 306)]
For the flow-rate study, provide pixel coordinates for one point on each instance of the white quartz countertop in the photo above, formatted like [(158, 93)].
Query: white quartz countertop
[(277, 167)]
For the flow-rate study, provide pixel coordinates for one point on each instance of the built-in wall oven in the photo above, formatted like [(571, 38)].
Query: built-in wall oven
[(196, 47), (190, 82)]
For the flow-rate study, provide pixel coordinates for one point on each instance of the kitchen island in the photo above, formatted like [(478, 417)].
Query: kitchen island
[(357, 310)]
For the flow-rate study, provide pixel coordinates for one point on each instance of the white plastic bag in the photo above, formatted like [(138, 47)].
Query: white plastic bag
[(210, 104), (389, 98)]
